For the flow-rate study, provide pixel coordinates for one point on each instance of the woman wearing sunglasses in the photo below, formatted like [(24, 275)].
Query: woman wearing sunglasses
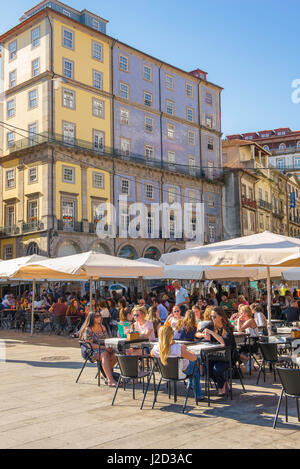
[(94, 333), (142, 325), (223, 334), (173, 318)]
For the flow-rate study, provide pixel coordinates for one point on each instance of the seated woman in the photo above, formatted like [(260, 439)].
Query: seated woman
[(142, 325), (259, 317), (198, 313), (105, 314), (222, 334), (206, 323), (94, 332), (246, 323), (186, 328), (153, 316), (174, 317), (167, 348)]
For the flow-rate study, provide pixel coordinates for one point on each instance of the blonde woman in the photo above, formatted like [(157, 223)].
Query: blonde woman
[(142, 325), (246, 323), (153, 316), (205, 323), (167, 348), (186, 328)]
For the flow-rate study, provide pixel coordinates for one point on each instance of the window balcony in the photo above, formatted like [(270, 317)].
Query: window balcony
[(9, 230), (32, 225), (69, 225), (264, 204), (249, 203)]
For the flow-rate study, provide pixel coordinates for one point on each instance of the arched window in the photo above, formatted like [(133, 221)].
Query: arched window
[(68, 248), (266, 148), (32, 248), (128, 252), (152, 253), (298, 144), (101, 248), (282, 146)]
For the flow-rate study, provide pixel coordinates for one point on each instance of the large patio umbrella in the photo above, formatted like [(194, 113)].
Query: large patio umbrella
[(260, 250), (9, 269), (86, 266)]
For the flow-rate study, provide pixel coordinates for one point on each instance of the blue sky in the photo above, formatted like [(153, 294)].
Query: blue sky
[(249, 47)]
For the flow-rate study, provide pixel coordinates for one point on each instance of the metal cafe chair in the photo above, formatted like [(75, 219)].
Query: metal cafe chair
[(290, 381), (87, 352), (130, 370), (170, 374), (271, 357)]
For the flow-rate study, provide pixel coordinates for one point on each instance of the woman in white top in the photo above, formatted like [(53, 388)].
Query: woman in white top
[(259, 316), (142, 325), (166, 348)]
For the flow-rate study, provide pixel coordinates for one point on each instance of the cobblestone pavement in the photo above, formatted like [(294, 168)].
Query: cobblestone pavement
[(42, 407)]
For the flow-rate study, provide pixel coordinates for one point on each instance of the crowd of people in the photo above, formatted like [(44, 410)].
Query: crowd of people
[(173, 315)]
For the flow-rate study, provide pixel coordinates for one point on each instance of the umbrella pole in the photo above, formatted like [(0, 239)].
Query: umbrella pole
[(269, 300), (32, 307), (91, 294)]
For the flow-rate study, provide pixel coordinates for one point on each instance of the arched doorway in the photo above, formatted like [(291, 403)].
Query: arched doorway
[(152, 253), (101, 248), (128, 252), (68, 248), (32, 248)]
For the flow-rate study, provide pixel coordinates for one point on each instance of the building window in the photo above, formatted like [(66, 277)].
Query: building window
[(69, 98), (32, 248), (123, 63), (95, 24), (210, 200), (69, 133), (266, 148), (208, 121), (189, 89), (252, 221), (297, 162), (148, 99), (210, 143), (68, 174), (33, 211), (32, 132), (10, 139), (98, 180), (32, 175), (208, 98), (68, 68), (149, 152), (13, 79), (190, 114), (98, 108), (125, 186), (170, 108), (210, 170), (245, 219), (169, 82), (171, 131), (10, 179), (148, 124), (192, 165), (12, 50), (68, 38), (125, 147), (171, 195), (8, 252), (98, 141), (35, 36), (282, 146), (32, 99), (171, 159), (147, 72), (35, 67), (11, 110), (68, 214), (149, 191), (191, 137), (97, 80), (10, 216), (280, 164), (97, 51), (124, 116), (211, 232), (124, 91)]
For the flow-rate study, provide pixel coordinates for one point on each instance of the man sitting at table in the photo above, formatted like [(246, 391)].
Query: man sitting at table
[(292, 313), (226, 302)]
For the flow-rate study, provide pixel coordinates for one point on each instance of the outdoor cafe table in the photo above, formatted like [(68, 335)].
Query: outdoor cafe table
[(121, 344)]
